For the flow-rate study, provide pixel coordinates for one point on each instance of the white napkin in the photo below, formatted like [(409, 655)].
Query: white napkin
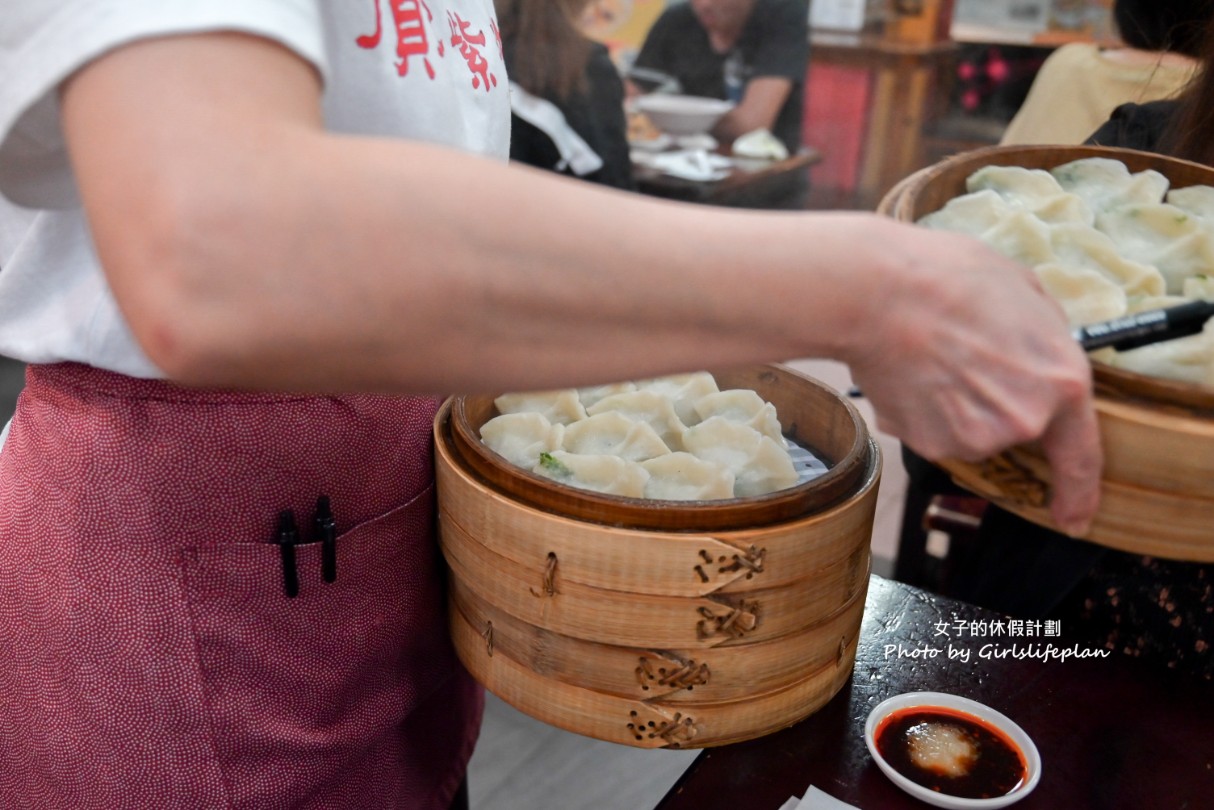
[(760, 143), (815, 799), (693, 164), (702, 141), (545, 116)]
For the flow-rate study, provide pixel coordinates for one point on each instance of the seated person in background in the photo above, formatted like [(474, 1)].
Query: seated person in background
[(567, 98), (753, 52), (1080, 84)]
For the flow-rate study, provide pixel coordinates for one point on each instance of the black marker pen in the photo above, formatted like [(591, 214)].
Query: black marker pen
[(1145, 328), (288, 537), (326, 528)]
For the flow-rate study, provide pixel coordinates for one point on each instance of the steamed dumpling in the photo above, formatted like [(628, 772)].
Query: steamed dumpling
[(1014, 183), (1151, 302), (972, 214), (683, 390), (1033, 190), (559, 407), (1086, 295), (684, 477), (592, 394), (1162, 235), (758, 463), (624, 430), (1200, 287), (1105, 183), (1085, 247), (744, 406), (1023, 238), (613, 434), (521, 437), (649, 407), (610, 475), (1190, 359), (1196, 200)]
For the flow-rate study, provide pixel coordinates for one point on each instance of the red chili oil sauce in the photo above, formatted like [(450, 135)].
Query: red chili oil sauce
[(997, 770)]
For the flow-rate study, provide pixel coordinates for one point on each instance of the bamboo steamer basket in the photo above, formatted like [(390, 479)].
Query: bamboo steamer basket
[(661, 624), (1157, 491)]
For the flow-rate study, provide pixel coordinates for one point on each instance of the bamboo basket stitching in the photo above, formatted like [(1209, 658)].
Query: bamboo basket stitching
[(549, 577), (687, 675), (1015, 480), (734, 622), (673, 732), (752, 560)]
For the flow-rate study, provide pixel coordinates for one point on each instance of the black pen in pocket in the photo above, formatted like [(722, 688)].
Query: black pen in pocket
[(325, 527), (288, 538)]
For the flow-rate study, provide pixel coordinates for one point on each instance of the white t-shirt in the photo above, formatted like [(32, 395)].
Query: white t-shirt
[(429, 70)]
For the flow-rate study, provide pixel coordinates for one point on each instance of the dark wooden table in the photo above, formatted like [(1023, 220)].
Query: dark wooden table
[(1113, 733), (751, 183)]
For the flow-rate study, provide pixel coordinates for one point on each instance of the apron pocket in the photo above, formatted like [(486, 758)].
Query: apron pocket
[(316, 684)]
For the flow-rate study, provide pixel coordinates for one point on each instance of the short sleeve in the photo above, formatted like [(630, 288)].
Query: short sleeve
[(42, 43), (782, 43), (662, 34)]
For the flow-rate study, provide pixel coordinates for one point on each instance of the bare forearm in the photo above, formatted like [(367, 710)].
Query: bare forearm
[(759, 108), (493, 277), (249, 247)]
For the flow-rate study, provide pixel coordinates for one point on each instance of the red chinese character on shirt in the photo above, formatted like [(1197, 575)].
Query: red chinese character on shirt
[(469, 45), (411, 37)]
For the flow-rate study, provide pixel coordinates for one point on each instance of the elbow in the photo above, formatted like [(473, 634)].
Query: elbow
[(173, 280), (173, 342)]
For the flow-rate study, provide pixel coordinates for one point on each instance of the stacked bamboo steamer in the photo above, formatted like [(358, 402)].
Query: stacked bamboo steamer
[(661, 623), (1157, 491)]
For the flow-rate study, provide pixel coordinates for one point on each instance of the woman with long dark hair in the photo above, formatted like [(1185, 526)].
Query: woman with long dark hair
[(1081, 83), (568, 98)]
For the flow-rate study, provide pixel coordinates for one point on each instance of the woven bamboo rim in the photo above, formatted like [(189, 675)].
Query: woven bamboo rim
[(640, 723), (1157, 493), (811, 413), (652, 562), (714, 674)]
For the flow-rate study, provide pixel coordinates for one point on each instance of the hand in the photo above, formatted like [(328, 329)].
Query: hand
[(969, 356)]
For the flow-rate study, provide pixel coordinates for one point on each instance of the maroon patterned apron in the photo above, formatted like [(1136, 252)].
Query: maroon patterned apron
[(149, 657)]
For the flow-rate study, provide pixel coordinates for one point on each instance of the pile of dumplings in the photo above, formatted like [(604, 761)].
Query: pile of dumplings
[(1105, 243), (673, 438)]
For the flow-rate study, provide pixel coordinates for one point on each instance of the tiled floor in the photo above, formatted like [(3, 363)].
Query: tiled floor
[(523, 764)]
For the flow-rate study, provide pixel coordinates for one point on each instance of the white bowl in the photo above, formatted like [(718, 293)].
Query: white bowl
[(1013, 732), (682, 115)]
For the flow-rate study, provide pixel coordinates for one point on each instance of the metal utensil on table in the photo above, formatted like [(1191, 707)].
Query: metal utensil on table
[(654, 81)]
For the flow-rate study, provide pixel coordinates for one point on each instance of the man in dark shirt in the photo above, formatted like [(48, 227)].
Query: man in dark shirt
[(754, 52)]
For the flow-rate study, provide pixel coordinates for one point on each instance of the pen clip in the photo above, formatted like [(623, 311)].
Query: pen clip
[(326, 527), (288, 538)]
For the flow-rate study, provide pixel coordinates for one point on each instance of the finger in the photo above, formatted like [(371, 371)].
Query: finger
[(1072, 446)]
